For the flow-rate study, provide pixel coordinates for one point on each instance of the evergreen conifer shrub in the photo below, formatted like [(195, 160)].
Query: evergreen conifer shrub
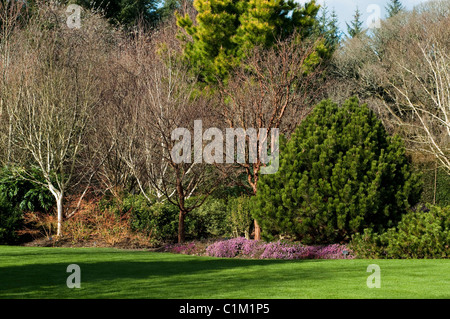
[(339, 173)]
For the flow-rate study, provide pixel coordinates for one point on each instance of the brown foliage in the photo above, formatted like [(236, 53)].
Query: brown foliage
[(104, 228), (39, 225)]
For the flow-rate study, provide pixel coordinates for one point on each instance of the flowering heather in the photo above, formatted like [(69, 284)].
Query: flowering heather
[(229, 248), (245, 248), (187, 248), (241, 247)]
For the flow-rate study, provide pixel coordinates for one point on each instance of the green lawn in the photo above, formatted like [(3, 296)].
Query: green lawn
[(27, 272)]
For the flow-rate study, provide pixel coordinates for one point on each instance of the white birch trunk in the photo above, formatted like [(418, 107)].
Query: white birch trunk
[(59, 206)]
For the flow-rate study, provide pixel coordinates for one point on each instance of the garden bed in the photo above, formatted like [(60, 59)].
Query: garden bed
[(227, 248), (245, 248)]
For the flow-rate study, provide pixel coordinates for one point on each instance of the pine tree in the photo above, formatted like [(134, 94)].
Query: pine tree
[(393, 8), (323, 19), (328, 27), (355, 26), (339, 173), (225, 29), (333, 29)]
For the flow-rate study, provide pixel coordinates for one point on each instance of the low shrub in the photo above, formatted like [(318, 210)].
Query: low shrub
[(103, 227), (436, 183), (239, 218), (217, 217), (10, 222), (232, 248), (159, 220), (187, 248), (244, 248), (422, 233), (279, 250), (38, 225), (208, 220), (367, 244), (17, 197)]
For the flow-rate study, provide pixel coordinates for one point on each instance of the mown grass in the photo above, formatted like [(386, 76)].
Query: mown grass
[(32, 272)]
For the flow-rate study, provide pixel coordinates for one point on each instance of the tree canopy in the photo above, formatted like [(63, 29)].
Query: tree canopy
[(224, 30), (394, 7), (355, 26)]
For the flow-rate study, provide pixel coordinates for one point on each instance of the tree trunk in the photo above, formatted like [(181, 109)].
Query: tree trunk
[(257, 231), (8, 156), (255, 222), (181, 229), (181, 197), (59, 205)]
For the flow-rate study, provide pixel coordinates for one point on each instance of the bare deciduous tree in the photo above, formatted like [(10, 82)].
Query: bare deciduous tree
[(404, 70), (54, 90), (273, 89), (416, 76), (160, 98), (10, 14)]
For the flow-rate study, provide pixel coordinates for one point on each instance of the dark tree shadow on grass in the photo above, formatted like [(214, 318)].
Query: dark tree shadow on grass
[(146, 278)]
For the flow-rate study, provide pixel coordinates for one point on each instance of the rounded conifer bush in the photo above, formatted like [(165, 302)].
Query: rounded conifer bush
[(339, 173)]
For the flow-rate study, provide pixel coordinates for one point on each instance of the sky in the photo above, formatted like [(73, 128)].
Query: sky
[(345, 9)]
